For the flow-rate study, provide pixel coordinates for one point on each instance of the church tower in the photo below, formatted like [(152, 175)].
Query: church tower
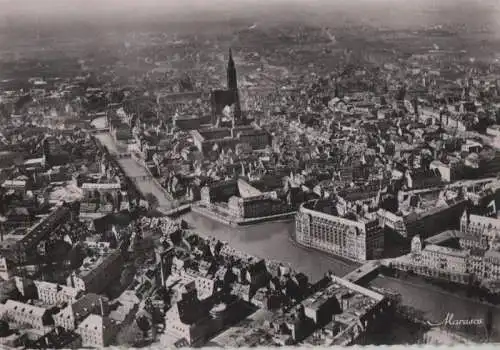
[(220, 99), (232, 83)]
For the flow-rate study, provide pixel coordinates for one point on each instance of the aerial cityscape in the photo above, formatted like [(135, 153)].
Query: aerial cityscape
[(206, 174)]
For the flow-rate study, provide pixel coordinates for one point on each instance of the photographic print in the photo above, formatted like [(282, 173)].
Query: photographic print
[(249, 173)]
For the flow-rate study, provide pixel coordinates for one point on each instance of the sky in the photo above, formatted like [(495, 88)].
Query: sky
[(390, 12)]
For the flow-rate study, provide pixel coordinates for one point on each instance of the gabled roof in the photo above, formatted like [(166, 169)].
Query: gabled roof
[(96, 323), (87, 304), (12, 305)]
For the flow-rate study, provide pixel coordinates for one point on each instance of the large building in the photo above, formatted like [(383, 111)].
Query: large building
[(346, 314), (219, 192), (96, 274), (450, 264), (226, 137), (240, 200), (191, 122), (53, 293), (101, 324), (25, 314), (426, 222), (98, 331), (27, 245), (188, 319), (15, 185), (178, 99), (229, 97), (70, 316), (480, 226), (262, 205), (319, 225)]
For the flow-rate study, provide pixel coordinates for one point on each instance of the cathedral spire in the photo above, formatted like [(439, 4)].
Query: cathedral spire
[(230, 63), (231, 73)]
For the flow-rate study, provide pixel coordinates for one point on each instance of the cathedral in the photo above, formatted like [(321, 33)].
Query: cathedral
[(220, 99), (217, 137)]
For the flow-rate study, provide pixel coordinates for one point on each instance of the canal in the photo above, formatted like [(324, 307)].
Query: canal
[(135, 170)]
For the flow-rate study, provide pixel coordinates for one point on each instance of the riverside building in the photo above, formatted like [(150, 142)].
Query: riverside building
[(328, 227)]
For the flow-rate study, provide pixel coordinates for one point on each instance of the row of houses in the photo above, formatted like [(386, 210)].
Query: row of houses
[(94, 318)]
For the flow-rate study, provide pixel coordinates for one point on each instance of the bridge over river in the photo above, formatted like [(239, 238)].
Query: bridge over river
[(273, 241)]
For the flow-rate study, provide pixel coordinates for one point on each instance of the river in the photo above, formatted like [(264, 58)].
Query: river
[(272, 241), (134, 170)]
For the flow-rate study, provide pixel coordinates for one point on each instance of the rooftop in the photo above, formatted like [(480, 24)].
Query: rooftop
[(448, 251), (444, 236), (363, 298), (91, 265), (14, 183), (96, 322), (101, 186), (484, 221), (12, 305), (328, 210), (36, 232)]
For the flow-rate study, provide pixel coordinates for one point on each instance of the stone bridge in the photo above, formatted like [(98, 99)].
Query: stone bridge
[(98, 131), (365, 273), (144, 178)]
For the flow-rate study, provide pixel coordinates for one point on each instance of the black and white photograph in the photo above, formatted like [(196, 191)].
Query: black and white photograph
[(249, 173)]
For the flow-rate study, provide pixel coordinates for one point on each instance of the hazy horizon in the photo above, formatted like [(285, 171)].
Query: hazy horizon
[(391, 13)]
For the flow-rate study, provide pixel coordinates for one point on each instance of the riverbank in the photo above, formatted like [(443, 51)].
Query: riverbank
[(470, 291), (350, 263), (112, 154), (236, 221), (272, 240), (385, 277)]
